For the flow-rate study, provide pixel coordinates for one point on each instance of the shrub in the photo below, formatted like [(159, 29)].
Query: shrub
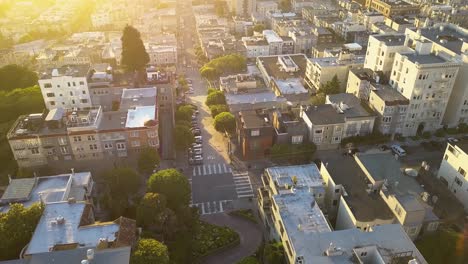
[(210, 238), (426, 135), (440, 132), (371, 139), (218, 109)]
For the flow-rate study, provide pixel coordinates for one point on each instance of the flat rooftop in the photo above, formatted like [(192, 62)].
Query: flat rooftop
[(463, 145), (390, 96), (49, 189), (140, 115), (67, 70), (138, 97), (365, 206), (336, 61), (349, 104), (290, 86), (424, 59), (391, 40), (383, 167), (270, 63), (253, 119), (253, 98), (305, 175), (50, 232), (448, 35), (324, 115)]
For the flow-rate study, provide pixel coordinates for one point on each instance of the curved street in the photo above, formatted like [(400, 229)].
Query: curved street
[(250, 238)]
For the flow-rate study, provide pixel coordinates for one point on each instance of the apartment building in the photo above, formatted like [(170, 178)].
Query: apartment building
[(403, 195), (451, 40), (255, 134), (284, 75), (66, 87), (77, 186), (452, 171), (68, 137), (427, 80), (242, 7), (278, 45), (390, 107), (256, 46), (391, 8), (359, 121), (325, 125), (381, 50), (361, 82), (265, 7), (161, 54), (319, 71), (291, 204)]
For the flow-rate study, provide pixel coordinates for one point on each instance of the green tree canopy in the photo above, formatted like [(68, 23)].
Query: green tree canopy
[(174, 185), (151, 210), (215, 98), (17, 227), (14, 76), (249, 260), (184, 113), (273, 253), (23, 101), (217, 109), (285, 5), (331, 87), (225, 122), (231, 63), (150, 251), (134, 55), (259, 28), (318, 99), (122, 183), (147, 159), (183, 137)]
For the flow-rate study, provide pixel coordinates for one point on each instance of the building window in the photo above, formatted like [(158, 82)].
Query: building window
[(151, 134), (81, 83), (297, 139), (84, 101), (52, 102), (462, 171), (76, 138), (91, 137), (93, 147), (255, 133), (64, 150), (121, 146), (108, 146), (318, 131), (446, 157), (152, 143), (134, 134), (35, 150), (50, 95), (135, 143), (47, 85)]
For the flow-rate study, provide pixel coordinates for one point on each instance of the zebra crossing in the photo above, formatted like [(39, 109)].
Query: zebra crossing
[(243, 185), (213, 207), (211, 169)]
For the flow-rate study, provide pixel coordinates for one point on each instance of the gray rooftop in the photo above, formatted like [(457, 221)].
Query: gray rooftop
[(424, 59), (389, 95), (349, 104), (384, 168), (67, 70), (391, 40), (324, 115), (463, 145), (449, 36), (311, 236), (138, 97), (49, 189), (306, 175)]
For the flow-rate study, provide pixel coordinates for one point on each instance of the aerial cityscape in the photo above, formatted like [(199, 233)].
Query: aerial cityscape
[(233, 131)]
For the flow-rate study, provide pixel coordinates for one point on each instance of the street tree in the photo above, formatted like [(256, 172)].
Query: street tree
[(122, 184), (225, 122), (318, 99), (218, 109), (183, 137), (17, 227), (215, 98), (148, 159), (231, 63), (151, 210), (259, 28), (134, 55), (174, 185), (150, 251), (331, 87), (184, 113)]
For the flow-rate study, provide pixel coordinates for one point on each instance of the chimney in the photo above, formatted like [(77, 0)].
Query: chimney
[(423, 47), (73, 171)]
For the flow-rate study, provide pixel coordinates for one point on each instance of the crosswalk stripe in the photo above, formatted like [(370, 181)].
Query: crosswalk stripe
[(193, 171), (209, 169), (225, 169), (219, 167), (204, 170), (214, 168), (245, 195), (199, 170)]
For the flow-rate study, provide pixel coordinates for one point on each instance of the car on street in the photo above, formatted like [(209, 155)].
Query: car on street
[(196, 161), (197, 151), (452, 140), (198, 139), (196, 132), (397, 149), (196, 145)]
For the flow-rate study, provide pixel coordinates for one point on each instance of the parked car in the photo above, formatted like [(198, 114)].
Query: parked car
[(198, 139), (196, 145), (452, 140), (196, 132), (197, 151), (397, 149), (196, 161)]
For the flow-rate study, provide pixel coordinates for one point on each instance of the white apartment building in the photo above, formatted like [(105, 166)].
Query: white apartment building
[(265, 7), (242, 7), (161, 54), (256, 47), (427, 81), (451, 40), (277, 45), (453, 170), (381, 51), (66, 87), (319, 71)]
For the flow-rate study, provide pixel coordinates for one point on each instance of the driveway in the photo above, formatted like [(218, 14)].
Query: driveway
[(250, 239)]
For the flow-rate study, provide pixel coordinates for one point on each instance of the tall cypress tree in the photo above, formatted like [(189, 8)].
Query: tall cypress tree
[(134, 55)]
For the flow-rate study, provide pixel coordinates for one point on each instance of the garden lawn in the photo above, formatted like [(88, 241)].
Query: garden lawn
[(211, 238)]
